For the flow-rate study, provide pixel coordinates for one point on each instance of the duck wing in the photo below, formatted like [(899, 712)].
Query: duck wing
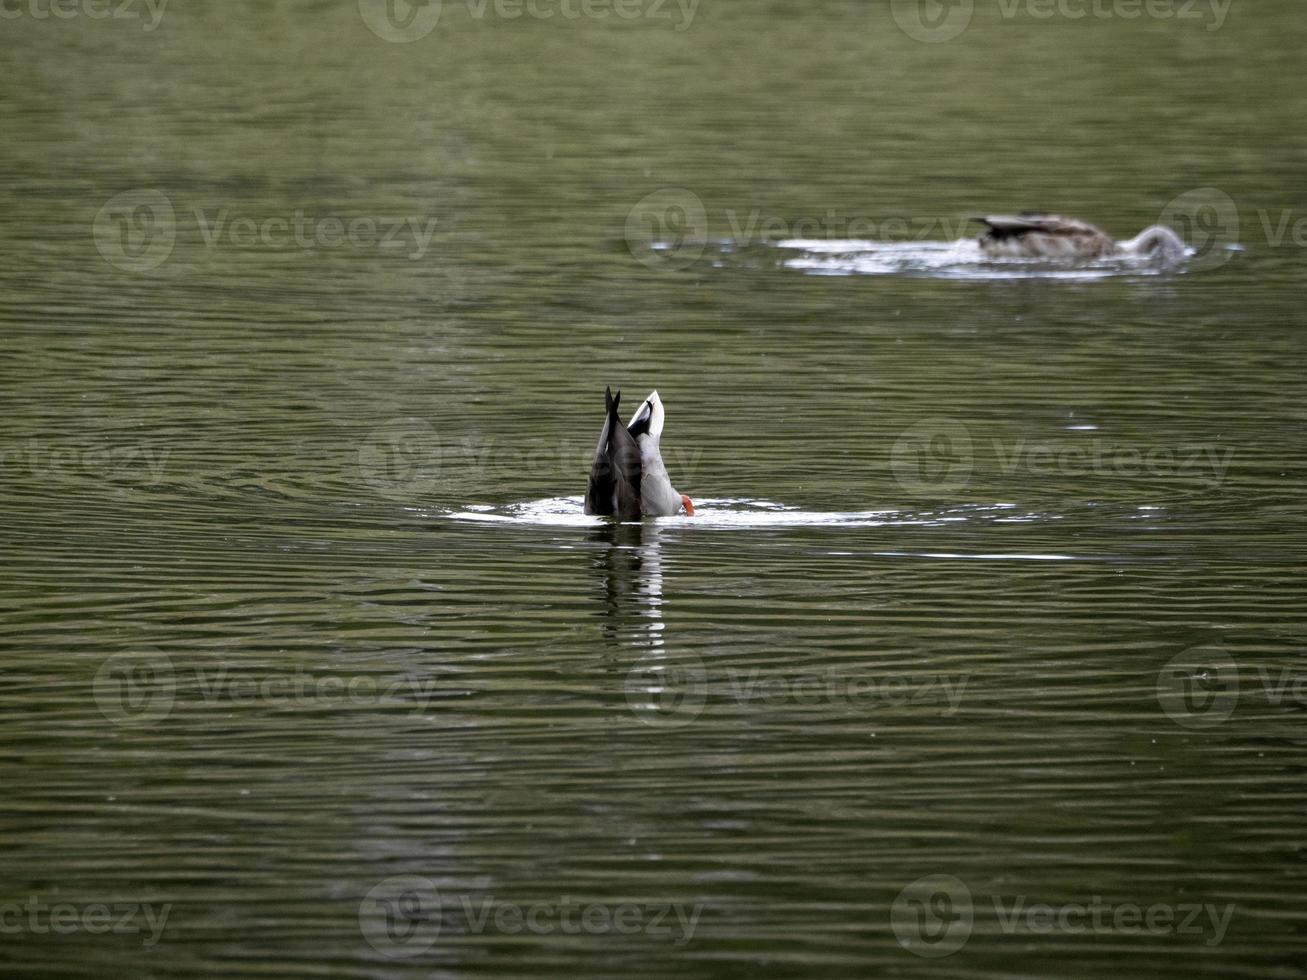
[(614, 486), (1002, 225)]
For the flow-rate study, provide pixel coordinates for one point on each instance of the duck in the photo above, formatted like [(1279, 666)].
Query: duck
[(1030, 235), (628, 479)]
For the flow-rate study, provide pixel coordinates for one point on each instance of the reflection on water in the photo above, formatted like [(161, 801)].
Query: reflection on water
[(632, 584)]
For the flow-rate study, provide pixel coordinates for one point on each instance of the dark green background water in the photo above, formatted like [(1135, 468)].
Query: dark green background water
[(242, 465)]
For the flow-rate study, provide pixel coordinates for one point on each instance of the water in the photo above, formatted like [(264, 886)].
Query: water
[(302, 622)]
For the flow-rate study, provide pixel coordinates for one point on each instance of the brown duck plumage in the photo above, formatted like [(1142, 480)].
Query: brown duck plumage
[(1043, 236), (1047, 236)]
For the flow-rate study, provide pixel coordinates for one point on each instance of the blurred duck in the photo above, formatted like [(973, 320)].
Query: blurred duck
[(1046, 236), (628, 479)]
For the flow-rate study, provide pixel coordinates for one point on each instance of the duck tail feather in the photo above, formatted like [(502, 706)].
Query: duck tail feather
[(614, 485)]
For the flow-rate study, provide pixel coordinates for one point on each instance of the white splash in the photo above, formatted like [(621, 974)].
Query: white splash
[(731, 513), (961, 259)]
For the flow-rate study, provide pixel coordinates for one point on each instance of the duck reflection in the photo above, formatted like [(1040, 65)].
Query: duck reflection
[(631, 568), (662, 687)]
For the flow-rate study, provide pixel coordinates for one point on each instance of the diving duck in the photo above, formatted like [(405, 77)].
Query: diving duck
[(1047, 236), (628, 479)]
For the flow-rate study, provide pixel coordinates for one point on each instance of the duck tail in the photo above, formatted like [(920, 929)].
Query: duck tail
[(614, 484)]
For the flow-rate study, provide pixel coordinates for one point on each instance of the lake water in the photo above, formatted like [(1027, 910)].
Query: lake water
[(984, 656)]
